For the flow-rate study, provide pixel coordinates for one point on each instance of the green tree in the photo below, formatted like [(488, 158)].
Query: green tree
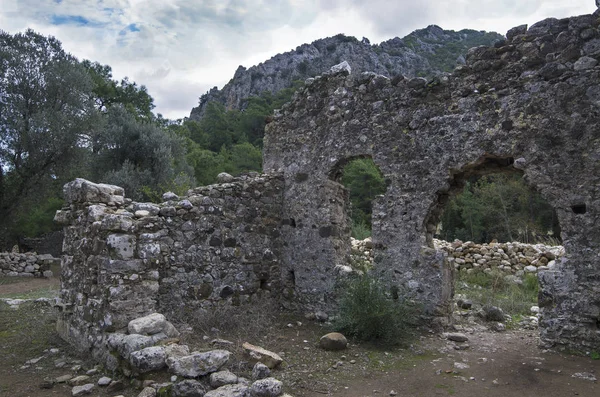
[(364, 181), (45, 107)]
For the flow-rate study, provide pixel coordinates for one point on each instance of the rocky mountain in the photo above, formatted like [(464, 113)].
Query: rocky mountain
[(424, 52)]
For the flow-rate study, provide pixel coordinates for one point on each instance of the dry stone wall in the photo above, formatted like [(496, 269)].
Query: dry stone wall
[(512, 258), (125, 260), (26, 264)]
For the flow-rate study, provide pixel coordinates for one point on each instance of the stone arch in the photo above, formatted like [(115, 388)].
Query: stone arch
[(513, 100)]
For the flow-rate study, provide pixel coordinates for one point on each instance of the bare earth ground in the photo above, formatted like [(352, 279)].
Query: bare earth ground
[(499, 364)]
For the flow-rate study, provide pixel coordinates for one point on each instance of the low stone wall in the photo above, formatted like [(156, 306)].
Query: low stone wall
[(217, 245), (26, 264), (512, 258)]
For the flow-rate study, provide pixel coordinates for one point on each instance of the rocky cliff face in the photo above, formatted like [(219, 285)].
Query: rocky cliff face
[(425, 52)]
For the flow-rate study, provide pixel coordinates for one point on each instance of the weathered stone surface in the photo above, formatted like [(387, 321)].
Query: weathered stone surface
[(520, 106), (188, 388), (147, 392), (457, 337), (82, 390), (257, 353), (493, 313), (80, 191), (333, 341), (79, 380), (198, 364), (238, 390), (104, 381), (148, 359), (148, 325), (127, 344), (260, 371), (222, 378), (269, 387), (500, 106)]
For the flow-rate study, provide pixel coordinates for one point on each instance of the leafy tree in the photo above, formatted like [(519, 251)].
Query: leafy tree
[(500, 207), (139, 156), (44, 108), (108, 92), (364, 181)]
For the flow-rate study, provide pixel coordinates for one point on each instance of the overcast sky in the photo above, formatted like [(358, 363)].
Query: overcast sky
[(181, 48)]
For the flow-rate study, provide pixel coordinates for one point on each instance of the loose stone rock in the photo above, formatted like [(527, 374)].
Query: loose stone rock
[(104, 381), (222, 378), (269, 387), (148, 359), (79, 380), (257, 353), (457, 337), (333, 341), (198, 364), (82, 390), (238, 390), (147, 392), (260, 371), (188, 388)]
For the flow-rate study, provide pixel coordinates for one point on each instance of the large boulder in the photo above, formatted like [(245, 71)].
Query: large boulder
[(198, 364)]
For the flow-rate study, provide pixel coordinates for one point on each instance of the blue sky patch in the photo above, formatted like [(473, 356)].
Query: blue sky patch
[(76, 20)]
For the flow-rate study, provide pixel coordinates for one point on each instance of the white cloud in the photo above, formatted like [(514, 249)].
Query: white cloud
[(181, 48)]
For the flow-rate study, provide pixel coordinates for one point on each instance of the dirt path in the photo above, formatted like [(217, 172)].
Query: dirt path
[(16, 286), (494, 365)]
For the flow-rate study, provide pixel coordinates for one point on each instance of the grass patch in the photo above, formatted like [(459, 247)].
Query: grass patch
[(367, 313), (27, 331), (493, 289), (47, 292)]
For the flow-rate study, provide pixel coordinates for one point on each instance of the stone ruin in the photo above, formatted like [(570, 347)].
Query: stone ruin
[(530, 104)]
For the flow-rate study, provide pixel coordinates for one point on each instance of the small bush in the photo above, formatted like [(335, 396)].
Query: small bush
[(368, 314), (360, 230)]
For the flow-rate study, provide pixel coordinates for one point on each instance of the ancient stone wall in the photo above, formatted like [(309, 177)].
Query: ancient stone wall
[(530, 104), (124, 260), (26, 264), (512, 258)]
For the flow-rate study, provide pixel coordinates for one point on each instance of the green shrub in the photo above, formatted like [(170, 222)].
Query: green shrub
[(368, 314), (360, 230)]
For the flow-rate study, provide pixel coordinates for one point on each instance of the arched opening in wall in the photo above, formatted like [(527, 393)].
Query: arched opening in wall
[(497, 232), (364, 182)]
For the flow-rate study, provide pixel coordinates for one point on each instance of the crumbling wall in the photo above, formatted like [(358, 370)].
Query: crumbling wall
[(26, 264), (124, 260), (530, 103)]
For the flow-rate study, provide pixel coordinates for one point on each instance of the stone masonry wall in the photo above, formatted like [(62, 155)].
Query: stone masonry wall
[(530, 105), (124, 260), (512, 258), (26, 264)]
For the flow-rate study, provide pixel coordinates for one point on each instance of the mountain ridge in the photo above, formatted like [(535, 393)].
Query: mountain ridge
[(425, 52)]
